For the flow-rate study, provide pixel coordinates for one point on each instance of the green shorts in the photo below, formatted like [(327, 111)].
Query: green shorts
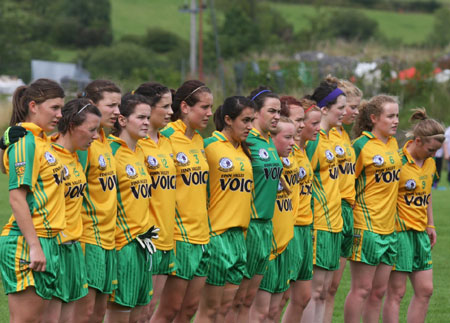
[(259, 245), (372, 248), (300, 251), (277, 277), (228, 258), (134, 276), (326, 249), (101, 267), (192, 260), (414, 251), (71, 283), (347, 229), (17, 276), (163, 262)]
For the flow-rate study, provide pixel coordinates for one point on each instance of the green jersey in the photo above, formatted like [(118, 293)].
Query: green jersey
[(267, 169)]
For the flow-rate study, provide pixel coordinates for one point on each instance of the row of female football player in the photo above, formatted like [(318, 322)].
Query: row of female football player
[(263, 211)]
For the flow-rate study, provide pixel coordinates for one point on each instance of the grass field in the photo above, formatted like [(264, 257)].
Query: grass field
[(439, 310), (135, 16)]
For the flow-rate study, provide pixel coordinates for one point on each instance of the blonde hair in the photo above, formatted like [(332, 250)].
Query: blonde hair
[(283, 119), (367, 108), (309, 105), (425, 128), (350, 89)]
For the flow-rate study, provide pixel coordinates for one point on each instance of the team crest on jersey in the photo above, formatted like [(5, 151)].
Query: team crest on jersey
[(101, 162), (50, 158), (66, 172), (286, 162), (131, 172), (378, 160), (20, 168), (182, 159), (152, 162), (410, 185), (301, 173), (329, 155), (226, 165), (263, 154), (340, 152)]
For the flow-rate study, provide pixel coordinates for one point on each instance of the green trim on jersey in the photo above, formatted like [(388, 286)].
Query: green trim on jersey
[(91, 211), (360, 196), (27, 148), (359, 144), (121, 215), (180, 225), (115, 147), (168, 132), (83, 158), (209, 141), (311, 147)]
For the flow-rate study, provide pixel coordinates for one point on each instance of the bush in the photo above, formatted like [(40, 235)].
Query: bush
[(163, 41), (439, 36), (351, 25)]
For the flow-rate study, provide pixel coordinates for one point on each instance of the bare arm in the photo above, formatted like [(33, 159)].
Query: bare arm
[(430, 226), (19, 205)]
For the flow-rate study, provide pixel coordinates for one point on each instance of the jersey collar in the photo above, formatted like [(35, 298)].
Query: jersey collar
[(34, 128), (255, 132)]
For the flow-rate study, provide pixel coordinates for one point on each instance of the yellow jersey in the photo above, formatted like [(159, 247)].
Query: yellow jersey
[(100, 199), (283, 215), (303, 215), (326, 195), (192, 177), (414, 192), (163, 176), (230, 184), (74, 186), (133, 192), (377, 174), (32, 162), (346, 161)]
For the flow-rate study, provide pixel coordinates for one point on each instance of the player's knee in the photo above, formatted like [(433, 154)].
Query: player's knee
[(426, 291)]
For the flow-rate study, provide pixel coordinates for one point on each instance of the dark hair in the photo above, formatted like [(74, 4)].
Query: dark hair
[(74, 113), (127, 105), (39, 91), (321, 92), (94, 90), (233, 107), (259, 96), (286, 101), (153, 91), (374, 106), (188, 92)]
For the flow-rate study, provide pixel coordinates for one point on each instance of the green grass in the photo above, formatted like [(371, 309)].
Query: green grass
[(409, 28), (136, 16), (439, 310)]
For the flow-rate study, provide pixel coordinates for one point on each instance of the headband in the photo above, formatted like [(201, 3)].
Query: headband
[(83, 108), (330, 97), (263, 91), (311, 107), (201, 86)]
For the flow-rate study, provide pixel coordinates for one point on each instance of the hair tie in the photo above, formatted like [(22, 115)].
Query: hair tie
[(330, 97), (83, 94), (263, 91), (311, 107), (132, 92)]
